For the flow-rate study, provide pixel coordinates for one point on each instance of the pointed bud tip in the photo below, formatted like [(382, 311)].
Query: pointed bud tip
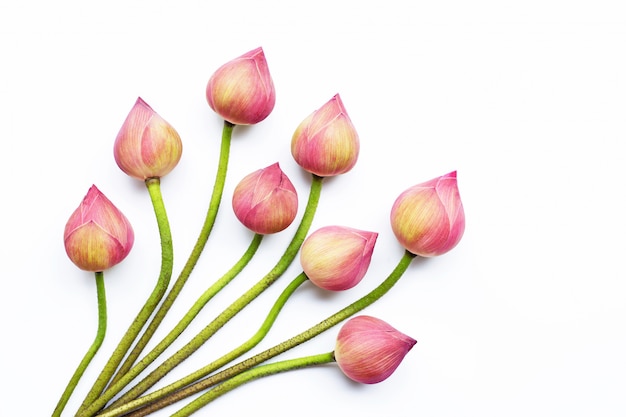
[(326, 142), (336, 258), (265, 201), (428, 218), (369, 350)]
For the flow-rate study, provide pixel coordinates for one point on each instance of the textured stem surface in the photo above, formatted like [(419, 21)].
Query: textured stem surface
[(230, 311), (167, 262), (207, 227), (186, 320), (250, 375), (324, 325), (119, 408), (91, 352)]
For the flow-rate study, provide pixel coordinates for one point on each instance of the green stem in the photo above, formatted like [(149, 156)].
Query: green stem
[(324, 325), (120, 407), (209, 221), (197, 341), (251, 375), (91, 352), (167, 261), (195, 309)]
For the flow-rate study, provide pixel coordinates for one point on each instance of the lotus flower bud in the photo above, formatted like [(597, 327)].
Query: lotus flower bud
[(266, 201), (368, 350), (326, 143), (336, 258), (242, 91), (97, 235), (428, 218), (146, 146)]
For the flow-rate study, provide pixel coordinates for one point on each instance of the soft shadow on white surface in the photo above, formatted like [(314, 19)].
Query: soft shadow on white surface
[(524, 99)]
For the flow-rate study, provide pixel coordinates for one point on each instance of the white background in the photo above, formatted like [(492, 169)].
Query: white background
[(525, 99)]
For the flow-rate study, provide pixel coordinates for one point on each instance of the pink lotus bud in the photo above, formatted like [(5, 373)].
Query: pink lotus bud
[(428, 218), (326, 142), (146, 146), (368, 350), (242, 91), (97, 235), (336, 258), (266, 201)]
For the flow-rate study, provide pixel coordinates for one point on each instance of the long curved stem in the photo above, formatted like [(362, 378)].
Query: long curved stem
[(196, 342), (119, 408), (91, 352), (207, 227), (322, 326), (252, 374), (167, 262), (196, 308)]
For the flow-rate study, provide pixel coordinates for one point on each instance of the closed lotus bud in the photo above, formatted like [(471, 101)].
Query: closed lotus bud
[(336, 258), (266, 201), (428, 218), (97, 235), (146, 146), (242, 91), (368, 350), (326, 143)]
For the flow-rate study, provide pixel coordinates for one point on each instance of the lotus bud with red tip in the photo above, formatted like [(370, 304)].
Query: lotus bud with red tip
[(428, 218), (336, 258), (97, 235), (266, 201), (326, 142), (242, 91), (146, 146), (368, 350)]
